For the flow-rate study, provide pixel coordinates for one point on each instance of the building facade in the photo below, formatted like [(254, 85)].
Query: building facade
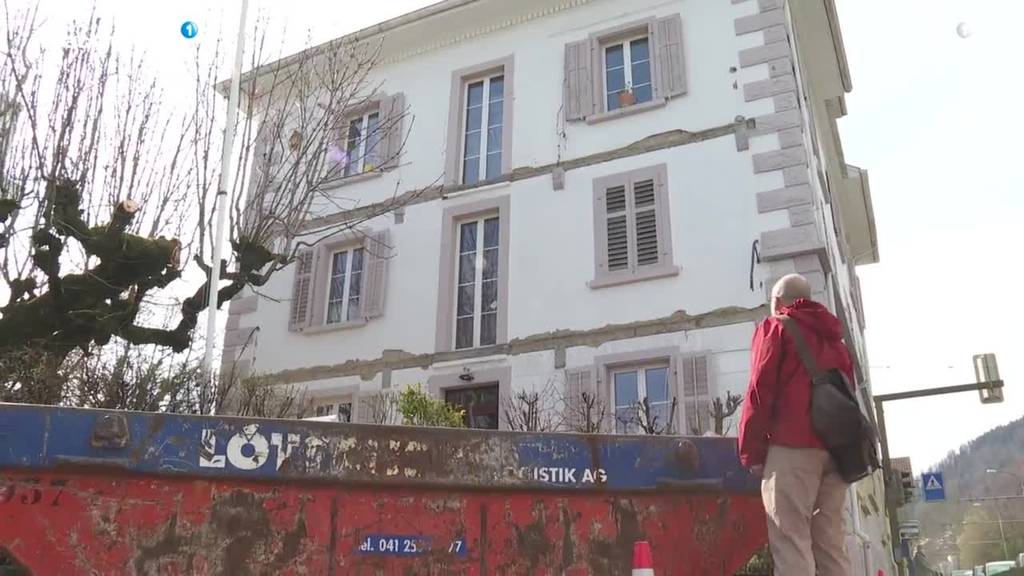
[(623, 183)]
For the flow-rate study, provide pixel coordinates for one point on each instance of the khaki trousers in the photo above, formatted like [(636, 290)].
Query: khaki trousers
[(804, 498)]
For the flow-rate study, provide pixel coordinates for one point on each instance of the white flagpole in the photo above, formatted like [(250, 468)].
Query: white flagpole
[(220, 208)]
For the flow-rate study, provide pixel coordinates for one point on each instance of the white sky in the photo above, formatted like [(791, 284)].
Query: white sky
[(931, 117)]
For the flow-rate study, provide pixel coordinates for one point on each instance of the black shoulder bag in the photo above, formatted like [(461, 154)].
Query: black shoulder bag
[(836, 415)]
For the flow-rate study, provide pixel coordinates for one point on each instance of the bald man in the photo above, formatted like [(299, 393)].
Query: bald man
[(803, 494)]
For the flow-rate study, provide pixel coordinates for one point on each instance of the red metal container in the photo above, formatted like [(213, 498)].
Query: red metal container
[(95, 492)]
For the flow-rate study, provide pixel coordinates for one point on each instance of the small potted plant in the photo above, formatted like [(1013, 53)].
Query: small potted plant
[(626, 96)]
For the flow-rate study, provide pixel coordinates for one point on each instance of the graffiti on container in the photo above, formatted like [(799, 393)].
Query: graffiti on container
[(557, 475), (250, 450), (31, 494), (405, 545)]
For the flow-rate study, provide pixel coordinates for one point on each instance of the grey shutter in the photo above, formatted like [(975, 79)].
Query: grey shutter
[(578, 381), (392, 120), (302, 287), (646, 222), (578, 92), (375, 271), (365, 411), (616, 227), (670, 64), (695, 398)]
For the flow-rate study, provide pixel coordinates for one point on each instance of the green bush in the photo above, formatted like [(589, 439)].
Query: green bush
[(419, 409)]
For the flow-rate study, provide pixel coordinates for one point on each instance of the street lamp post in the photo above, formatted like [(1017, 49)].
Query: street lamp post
[(1002, 533)]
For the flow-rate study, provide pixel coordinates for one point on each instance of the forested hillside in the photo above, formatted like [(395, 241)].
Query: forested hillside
[(990, 466)]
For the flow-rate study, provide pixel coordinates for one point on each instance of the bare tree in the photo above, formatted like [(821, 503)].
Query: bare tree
[(379, 408), (585, 412), (106, 194), (533, 410), (650, 419), (721, 410)]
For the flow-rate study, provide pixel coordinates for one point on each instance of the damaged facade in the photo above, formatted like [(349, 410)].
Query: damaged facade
[(587, 238)]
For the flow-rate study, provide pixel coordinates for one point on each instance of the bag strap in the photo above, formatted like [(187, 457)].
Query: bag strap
[(802, 349)]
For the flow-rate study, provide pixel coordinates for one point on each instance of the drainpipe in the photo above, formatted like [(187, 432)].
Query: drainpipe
[(865, 542)]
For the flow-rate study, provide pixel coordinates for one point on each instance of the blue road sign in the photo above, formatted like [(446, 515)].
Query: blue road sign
[(933, 487)]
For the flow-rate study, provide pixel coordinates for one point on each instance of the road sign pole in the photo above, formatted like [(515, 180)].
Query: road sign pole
[(993, 387)]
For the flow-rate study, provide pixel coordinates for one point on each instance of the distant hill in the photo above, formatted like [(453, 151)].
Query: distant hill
[(972, 529)]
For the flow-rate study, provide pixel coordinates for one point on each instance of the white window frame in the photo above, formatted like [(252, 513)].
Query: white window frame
[(444, 337), (455, 149), (333, 408), (360, 158), (346, 291), (478, 279), (641, 383), (627, 64), (485, 114)]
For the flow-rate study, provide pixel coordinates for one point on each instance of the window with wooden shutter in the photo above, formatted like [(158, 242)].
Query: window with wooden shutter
[(371, 137), (298, 317), (670, 65), (378, 254), (582, 413), (578, 93), (614, 70), (341, 283), (632, 229), (696, 395), (392, 110)]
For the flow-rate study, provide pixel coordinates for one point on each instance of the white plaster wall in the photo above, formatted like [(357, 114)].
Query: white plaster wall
[(711, 186), (714, 221), (538, 46), (728, 368)]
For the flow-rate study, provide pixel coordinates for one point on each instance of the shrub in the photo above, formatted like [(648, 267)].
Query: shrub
[(419, 409)]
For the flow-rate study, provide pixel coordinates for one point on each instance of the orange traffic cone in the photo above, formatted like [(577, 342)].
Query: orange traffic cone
[(643, 563)]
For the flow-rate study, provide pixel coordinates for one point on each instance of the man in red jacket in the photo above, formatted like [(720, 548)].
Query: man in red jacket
[(803, 494)]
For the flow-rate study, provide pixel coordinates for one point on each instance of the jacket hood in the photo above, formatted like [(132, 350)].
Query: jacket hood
[(813, 316)]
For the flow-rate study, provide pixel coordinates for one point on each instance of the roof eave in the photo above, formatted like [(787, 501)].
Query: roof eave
[(378, 29)]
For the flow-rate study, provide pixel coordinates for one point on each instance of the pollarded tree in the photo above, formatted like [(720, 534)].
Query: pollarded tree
[(107, 190)]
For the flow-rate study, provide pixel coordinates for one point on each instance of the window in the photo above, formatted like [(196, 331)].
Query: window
[(631, 386), (341, 283), (480, 123), (476, 315), (362, 144), (628, 68), (343, 410), (345, 286), (480, 404), (472, 308), (677, 389), (627, 72), (481, 158), (633, 236), (371, 136)]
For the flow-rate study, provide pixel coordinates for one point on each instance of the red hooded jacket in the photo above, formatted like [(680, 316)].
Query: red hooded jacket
[(777, 409)]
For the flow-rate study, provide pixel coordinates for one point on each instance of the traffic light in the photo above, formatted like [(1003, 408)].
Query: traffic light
[(907, 483)]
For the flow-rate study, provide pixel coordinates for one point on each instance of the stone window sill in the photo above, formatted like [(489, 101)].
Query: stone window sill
[(663, 271), (627, 111), (338, 326), (352, 179)]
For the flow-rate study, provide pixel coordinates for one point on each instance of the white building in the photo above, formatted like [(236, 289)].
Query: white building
[(598, 245)]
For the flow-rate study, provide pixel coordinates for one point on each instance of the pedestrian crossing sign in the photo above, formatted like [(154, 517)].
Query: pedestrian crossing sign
[(933, 487)]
